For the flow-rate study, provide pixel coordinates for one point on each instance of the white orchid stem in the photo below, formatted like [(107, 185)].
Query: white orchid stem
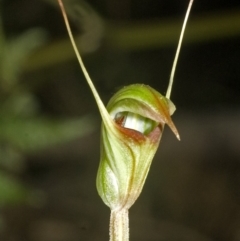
[(105, 116), (119, 225), (178, 50)]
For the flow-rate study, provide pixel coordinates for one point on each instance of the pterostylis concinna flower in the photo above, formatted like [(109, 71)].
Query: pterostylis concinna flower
[(132, 127)]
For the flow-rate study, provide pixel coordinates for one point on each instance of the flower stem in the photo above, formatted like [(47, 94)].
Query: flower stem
[(178, 50), (119, 225)]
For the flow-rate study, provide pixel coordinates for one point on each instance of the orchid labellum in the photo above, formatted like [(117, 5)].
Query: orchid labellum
[(132, 127)]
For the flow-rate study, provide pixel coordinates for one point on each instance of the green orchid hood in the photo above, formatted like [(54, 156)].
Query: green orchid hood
[(138, 114)]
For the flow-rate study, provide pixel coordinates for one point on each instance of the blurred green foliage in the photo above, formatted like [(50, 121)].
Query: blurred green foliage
[(23, 127), (11, 191)]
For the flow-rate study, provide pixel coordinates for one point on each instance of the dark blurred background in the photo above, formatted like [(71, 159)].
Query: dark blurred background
[(50, 125)]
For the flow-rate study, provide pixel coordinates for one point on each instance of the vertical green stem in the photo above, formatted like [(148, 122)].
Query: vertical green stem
[(119, 225)]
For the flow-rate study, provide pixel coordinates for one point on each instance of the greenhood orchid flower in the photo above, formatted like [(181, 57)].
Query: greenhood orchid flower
[(132, 127), (138, 114)]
